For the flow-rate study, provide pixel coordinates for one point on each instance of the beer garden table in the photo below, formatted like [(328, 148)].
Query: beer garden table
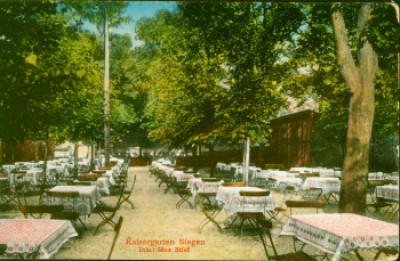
[(28, 236), (232, 201), (197, 185), (329, 186), (340, 233), (84, 204)]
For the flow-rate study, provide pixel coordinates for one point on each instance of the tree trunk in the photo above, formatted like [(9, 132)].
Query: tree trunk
[(92, 155), (212, 160), (360, 79), (76, 156), (44, 171)]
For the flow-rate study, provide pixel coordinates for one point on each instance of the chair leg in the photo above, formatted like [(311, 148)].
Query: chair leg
[(106, 220), (184, 198), (130, 203), (210, 218), (233, 221)]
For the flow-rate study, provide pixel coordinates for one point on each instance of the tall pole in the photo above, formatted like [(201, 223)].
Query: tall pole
[(246, 162), (107, 107), (397, 10)]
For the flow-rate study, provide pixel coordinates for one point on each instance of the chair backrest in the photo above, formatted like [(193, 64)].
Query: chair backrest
[(309, 175), (120, 197), (263, 193), (210, 179), (62, 194), (303, 204), (81, 183), (40, 209), (99, 171), (91, 177), (254, 199), (117, 229), (234, 184), (207, 200), (132, 187), (378, 182), (288, 192)]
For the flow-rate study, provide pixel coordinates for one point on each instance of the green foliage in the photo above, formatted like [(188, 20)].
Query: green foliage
[(213, 72), (50, 77)]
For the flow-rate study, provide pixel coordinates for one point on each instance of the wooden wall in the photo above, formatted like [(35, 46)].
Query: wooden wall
[(291, 139), (24, 151)]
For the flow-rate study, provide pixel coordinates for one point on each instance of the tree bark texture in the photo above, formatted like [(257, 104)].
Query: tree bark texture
[(76, 159), (360, 77)]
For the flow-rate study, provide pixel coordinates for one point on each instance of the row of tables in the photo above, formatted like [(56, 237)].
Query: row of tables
[(30, 173), (336, 234), (43, 237)]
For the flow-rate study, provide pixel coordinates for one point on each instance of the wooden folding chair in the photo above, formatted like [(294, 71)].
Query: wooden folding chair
[(279, 211), (117, 229), (296, 204), (14, 195), (78, 183), (251, 199), (180, 187), (107, 212), (375, 204), (165, 179), (89, 177), (264, 228), (312, 193), (31, 210), (68, 212), (210, 208), (303, 204), (309, 175), (127, 194)]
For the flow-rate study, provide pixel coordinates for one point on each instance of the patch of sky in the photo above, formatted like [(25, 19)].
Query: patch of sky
[(138, 10)]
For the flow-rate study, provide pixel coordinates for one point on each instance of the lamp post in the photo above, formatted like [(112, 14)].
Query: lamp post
[(107, 107)]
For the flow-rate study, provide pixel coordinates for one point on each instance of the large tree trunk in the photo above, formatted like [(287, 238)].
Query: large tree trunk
[(360, 79)]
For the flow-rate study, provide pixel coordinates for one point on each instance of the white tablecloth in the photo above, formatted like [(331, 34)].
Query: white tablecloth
[(232, 201), (295, 182), (181, 176), (340, 233), (31, 235), (328, 185), (84, 204), (197, 185), (389, 192)]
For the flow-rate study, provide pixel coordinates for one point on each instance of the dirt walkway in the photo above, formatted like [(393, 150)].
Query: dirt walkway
[(156, 230)]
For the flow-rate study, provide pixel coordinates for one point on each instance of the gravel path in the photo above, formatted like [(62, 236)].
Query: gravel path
[(155, 220), (156, 230)]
